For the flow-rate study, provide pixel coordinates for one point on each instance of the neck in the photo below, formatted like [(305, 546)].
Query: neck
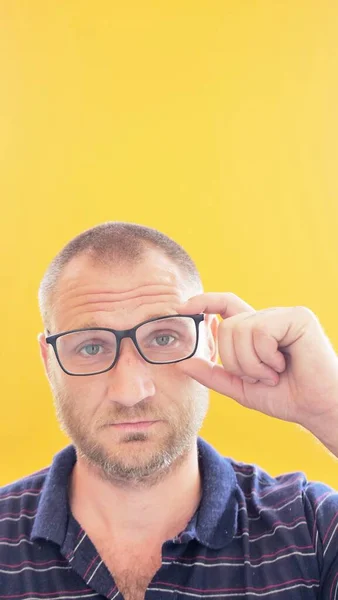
[(159, 511)]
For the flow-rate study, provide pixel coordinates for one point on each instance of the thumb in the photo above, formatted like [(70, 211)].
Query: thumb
[(214, 377)]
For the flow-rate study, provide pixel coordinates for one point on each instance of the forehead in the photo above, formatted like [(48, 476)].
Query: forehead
[(120, 295)]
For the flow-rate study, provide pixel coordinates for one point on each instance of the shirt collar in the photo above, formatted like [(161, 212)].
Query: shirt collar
[(213, 525)]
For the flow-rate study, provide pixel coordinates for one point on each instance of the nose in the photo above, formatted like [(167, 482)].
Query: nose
[(130, 380)]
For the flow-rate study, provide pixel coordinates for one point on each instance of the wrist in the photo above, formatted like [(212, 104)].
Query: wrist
[(325, 429)]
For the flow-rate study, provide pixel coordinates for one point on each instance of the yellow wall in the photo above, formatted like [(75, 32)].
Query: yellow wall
[(215, 122)]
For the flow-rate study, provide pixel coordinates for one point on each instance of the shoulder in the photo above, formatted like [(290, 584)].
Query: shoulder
[(254, 480), (23, 494), (291, 502), (260, 487)]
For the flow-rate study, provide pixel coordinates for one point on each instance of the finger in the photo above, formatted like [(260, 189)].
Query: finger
[(237, 351), (249, 379), (225, 304), (226, 349), (214, 377), (250, 363), (266, 348)]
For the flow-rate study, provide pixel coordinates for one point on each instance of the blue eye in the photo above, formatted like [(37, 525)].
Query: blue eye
[(91, 349), (163, 339)]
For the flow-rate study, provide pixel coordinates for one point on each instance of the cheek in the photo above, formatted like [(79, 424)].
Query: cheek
[(75, 391), (85, 393), (178, 386), (170, 377)]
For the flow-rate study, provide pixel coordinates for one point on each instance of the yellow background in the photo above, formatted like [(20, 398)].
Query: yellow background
[(215, 122)]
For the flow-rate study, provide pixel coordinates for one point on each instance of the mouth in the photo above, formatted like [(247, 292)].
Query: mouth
[(134, 425)]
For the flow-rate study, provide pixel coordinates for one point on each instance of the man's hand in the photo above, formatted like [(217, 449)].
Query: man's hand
[(287, 346)]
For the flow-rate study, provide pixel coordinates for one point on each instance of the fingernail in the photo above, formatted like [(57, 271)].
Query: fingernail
[(268, 382), (249, 379)]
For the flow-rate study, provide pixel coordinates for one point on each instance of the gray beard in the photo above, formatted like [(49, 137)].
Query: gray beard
[(113, 467)]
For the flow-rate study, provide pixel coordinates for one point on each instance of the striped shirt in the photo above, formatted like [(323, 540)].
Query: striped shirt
[(253, 536)]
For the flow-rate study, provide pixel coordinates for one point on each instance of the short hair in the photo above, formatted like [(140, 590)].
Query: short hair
[(114, 242)]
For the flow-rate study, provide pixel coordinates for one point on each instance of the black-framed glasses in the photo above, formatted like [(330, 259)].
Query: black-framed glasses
[(95, 350)]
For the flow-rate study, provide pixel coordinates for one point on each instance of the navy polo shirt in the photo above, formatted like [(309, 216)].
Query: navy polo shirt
[(253, 536)]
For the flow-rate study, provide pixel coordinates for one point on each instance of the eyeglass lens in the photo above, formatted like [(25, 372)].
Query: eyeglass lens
[(160, 341)]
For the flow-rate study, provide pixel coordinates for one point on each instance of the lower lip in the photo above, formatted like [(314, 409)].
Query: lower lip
[(134, 426)]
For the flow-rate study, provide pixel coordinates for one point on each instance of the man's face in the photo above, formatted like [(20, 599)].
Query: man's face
[(89, 408)]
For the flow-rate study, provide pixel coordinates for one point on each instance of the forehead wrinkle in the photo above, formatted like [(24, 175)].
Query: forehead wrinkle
[(103, 303), (95, 322), (117, 302), (84, 321), (77, 315), (107, 294), (115, 306)]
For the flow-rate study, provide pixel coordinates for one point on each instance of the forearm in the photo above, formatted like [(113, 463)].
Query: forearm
[(326, 431)]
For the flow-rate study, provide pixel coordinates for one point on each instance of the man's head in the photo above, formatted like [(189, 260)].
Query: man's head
[(117, 275)]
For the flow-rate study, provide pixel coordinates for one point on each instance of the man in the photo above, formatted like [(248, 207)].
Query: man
[(138, 506)]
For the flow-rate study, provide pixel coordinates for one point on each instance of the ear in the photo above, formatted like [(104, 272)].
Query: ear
[(43, 351), (212, 323)]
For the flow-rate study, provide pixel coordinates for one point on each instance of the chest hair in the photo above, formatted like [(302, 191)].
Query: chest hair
[(132, 569)]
